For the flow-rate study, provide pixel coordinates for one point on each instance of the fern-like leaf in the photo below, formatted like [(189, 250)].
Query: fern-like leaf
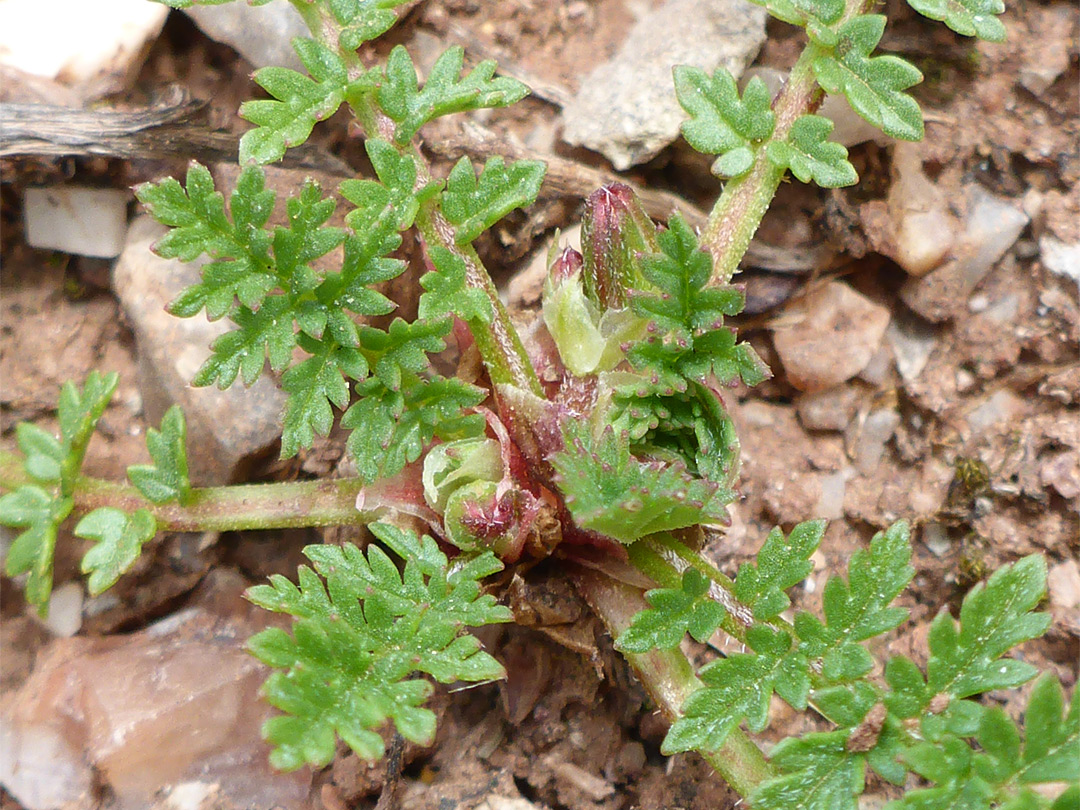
[(781, 564), (972, 18), (299, 102), (445, 91), (720, 122), (610, 491), (874, 85), (815, 15), (240, 249), (473, 204), (819, 774), (53, 464), (811, 156), (689, 339), (359, 636), (447, 293), (994, 618), (119, 540), (167, 478), (672, 613), (1008, 764)]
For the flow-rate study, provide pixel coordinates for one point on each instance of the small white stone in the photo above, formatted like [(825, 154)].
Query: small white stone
[(73, 219), (1061, 258), (936, 538), (65, 610)]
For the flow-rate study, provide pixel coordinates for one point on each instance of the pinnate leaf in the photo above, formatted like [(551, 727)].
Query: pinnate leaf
[(363, 20), (972, 18), (994, 618), (780, 565), (740, 686), (873, 85), (672, 613), (315, 386), (818, 774), (720, 122), (391, 428), (811, 156), (610, 491), (119, 540), (240, 249), (299, 102), (167, 478), (473, 204), (814, 15), (689, 340), (362, 628), (444, 92), (446, 291), (55, 465)]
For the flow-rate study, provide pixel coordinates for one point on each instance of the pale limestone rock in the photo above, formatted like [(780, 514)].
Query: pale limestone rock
[(626, 108), (990, 228), (829, 336), (74, 219)]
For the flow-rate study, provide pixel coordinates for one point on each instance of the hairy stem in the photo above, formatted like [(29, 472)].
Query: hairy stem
[(742, 204), (669, 679), (292, 504)]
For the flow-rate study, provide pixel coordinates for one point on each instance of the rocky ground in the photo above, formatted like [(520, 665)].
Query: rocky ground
[(922, 327)]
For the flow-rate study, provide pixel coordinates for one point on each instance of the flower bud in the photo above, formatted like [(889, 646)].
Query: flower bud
[(615, 231)]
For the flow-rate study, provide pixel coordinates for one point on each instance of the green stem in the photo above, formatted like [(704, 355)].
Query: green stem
[(670, 680), (742, 204), (286, 505), (498, 342)]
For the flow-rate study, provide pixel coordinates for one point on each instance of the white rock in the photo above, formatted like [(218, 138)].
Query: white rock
[(830, 503), (74, 219), (626, 107), (65, 610), (95, 45), (263, 35), (925, 228), (829, 336), (913, 342), (1061, 258), (936, 538), (1001, 406), (875, 432), (992, 226)]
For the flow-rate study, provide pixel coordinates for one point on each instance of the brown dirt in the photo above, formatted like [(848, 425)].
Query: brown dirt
[(570, 729)]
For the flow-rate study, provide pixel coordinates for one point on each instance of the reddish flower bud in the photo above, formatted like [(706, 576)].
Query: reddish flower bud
[(615, 231)]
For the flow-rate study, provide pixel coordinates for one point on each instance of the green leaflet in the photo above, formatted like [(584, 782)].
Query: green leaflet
[(167, 478), (972, 18), (689, 340), (363, 20), (811, 156), (815, 15), (780, 564), (720, 122), (610, 491), (241, 266), (672, 613), (1009, 761), (473, 204), (820, 774), (299, 102), (119, 537), (54, 465), (361, 630), (994, 618), (445, 91), (873, 85), (447, 293)]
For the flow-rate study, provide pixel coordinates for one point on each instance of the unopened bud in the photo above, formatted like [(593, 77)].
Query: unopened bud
[(615, 232), (565, 266)]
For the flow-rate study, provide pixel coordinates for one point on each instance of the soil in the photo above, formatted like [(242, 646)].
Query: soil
[(982, 462)]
